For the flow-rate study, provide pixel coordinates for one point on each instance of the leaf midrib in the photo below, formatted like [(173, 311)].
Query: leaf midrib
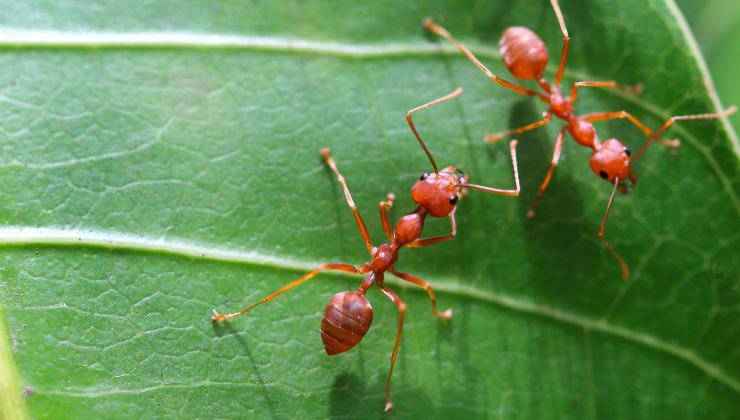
[(21, 237)]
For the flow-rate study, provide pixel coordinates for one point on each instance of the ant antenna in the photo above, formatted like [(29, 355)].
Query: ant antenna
[(622, 264), (729, 111), (454, 94), (511, 193)]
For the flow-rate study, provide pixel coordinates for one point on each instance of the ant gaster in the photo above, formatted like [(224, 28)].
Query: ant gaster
[(348, 315), (526, 56)]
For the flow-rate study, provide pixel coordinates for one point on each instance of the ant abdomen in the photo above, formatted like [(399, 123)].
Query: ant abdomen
[(524, 53), (347, 318)]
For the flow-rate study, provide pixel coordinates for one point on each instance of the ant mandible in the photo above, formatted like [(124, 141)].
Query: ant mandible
[(526, 56), (348, 315)]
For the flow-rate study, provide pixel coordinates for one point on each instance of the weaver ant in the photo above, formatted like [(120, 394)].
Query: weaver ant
[(526, 56), (348, 315)]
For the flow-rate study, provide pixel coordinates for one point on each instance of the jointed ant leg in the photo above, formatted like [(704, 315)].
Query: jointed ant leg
[(498, 136), (308, 276), (385, 207), (553, 164), (511, 193), (419, 282), (447, 97), (418, 243), (401, 313), (430, 25), (603, 116), (729, 111), (620, 261), (356, 213), (576, 85), (566, 42)]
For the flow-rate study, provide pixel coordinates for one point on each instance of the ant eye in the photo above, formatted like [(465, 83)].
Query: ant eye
[(603, 174), (628, 151), (453, 199), (423, 176)]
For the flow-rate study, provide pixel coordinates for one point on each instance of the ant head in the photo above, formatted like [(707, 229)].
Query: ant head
[(524, 53), (439, 192), (612, 160)]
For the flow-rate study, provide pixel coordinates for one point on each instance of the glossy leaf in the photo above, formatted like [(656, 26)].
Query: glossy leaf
[(161, 160)]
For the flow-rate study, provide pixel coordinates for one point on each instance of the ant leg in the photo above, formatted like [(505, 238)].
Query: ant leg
[(729, 111), (634, 89), (576, 85), (498, 136), (401, 312), (447, 97), (603, 116), (356, 213), (566, 42), (511, 193), (418, 243), (553, 164), (308, 276), (419, 282), (439, 30), (620, 261), (385, 207)]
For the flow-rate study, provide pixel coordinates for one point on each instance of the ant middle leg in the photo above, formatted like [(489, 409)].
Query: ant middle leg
[(633, 89), (498, 136), (306, 277), (603, 116), (401, 313), (355, 213), (385, 207), (553, 164), (419, 282)]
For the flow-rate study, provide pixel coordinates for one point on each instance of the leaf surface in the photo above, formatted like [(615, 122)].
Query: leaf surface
[(161, 160)]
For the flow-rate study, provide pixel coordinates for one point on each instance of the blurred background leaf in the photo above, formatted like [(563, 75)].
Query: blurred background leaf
[(161, 160), (716, 25)]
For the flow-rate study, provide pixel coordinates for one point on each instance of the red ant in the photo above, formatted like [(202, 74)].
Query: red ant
[(526, 56), (348, 315)]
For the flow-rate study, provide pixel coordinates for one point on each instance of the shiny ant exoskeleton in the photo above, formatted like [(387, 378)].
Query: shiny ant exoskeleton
[(348, 315), (526, 56)]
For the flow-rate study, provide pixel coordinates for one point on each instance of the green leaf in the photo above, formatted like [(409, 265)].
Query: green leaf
[(160, 160)]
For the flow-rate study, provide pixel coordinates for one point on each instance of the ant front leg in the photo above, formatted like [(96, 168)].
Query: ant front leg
[(498, 136), (401, 313), (385, 207), (418, 243), (419, 282), (553, 164), (306, 277), (622, 264), (355, 213)]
